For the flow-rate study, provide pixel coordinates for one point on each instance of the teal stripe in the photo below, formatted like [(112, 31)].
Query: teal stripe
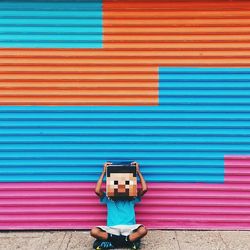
[(51, 45), (56, 155), (51, 4), (51, 24), (48, 38), (53, 14), (51, 30)]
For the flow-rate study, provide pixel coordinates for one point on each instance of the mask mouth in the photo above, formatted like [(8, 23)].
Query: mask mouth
[(121, 194), (122, 198)]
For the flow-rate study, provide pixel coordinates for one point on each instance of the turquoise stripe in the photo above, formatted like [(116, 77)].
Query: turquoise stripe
[(51, 24), (48, 38), (51, 4), (51, 30), (54, 14), (83, 155), (50, 45)]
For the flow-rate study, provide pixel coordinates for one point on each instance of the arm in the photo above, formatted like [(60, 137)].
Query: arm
[(98, 189), (144, 187)]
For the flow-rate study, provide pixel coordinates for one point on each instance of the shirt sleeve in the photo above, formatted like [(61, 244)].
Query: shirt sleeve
[(104, 199), (137, 199)]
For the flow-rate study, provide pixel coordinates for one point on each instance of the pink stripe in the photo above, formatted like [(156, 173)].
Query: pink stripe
[(166, 205)]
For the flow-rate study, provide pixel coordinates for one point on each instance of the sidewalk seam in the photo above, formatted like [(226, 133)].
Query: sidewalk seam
[(62, 241), (70, 237), (177, 240), (224, 241)]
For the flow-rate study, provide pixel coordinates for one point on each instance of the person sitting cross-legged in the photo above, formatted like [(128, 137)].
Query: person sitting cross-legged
[(121, 229)]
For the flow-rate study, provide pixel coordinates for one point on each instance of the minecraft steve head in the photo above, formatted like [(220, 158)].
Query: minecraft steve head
[(121, 181)]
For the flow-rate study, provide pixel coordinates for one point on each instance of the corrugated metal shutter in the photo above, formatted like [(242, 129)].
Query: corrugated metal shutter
[(162, 91)]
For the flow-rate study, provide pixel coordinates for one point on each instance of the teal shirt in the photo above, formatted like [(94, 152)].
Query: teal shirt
[(120, 212)]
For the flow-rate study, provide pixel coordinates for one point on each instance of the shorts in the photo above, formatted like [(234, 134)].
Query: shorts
[(120, 229)]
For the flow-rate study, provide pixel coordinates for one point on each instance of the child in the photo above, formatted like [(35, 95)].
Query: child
[(121, 229)]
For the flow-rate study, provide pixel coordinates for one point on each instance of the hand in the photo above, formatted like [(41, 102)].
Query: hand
[(105, 166), (136, 165)]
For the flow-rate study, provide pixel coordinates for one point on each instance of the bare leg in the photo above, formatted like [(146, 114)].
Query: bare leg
[(98, 234), (138, 234)]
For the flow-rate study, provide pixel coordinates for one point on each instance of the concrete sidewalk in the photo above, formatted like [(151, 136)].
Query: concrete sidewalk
[(155, 240)]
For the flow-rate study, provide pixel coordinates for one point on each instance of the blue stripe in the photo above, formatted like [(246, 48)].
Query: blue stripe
[(51, 24), (51, 4)]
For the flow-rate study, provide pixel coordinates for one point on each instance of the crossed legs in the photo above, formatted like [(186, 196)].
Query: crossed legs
[(136, 235)]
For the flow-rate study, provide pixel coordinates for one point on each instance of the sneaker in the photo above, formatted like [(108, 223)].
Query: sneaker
[(100, 245), (135, 245), (118, 241)]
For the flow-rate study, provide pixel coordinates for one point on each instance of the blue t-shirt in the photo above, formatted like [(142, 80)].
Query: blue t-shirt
[(120, 212)]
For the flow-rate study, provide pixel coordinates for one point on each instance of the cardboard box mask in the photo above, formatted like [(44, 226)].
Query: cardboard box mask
[(121, 181)]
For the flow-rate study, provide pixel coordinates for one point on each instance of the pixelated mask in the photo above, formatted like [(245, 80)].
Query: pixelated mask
[(121, 181)]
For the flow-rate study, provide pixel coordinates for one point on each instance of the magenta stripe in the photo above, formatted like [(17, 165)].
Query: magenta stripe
[(166, 205)]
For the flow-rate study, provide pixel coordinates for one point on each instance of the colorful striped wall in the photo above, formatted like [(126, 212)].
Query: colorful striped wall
[(165, 83)]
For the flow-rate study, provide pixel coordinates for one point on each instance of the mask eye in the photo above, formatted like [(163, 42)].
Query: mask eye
[(127, 182), (115, 182)]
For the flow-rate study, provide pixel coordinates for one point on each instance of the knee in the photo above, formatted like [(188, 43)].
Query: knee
[(143, 231), (94, 232)]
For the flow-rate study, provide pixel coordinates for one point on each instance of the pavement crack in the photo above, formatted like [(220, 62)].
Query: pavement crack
[(41, 241), (224, 242), (177, 240), (70, 237), (62, 241)]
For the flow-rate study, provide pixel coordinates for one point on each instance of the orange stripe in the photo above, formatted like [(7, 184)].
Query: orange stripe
[(156, 62), (120, 93)]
